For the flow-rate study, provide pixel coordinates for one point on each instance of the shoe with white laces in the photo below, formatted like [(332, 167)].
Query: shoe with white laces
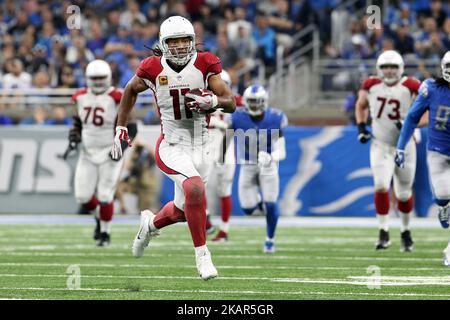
[(145, 234), (447, 256), (444, 216), (205, 267)]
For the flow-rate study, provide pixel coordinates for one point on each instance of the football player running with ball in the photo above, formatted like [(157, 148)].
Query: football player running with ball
[(434, 96), (388, 97), (96, 174), (187, 86), (260, 146)]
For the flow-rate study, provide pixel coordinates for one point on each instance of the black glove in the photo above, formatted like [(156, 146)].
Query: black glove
[(74, 135), (363, 134)]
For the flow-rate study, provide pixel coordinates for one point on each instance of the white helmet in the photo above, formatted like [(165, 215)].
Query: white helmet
[(390, 58), (256, 100), (172, 28), (445, 66), (98, 76), (226, 78)]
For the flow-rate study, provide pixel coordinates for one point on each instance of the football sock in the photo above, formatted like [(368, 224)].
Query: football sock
[(249, 211), (225, 226), (168, 215), (106, 211), (106, 214), (105, 226), (271, 218), (195, 209), (225, 206), (382, 209), (405, 208), (91, 204)]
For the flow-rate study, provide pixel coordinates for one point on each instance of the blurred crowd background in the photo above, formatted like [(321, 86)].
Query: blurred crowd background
[(39, 51)]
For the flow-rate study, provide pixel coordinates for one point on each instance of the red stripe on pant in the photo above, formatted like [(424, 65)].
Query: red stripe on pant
[(161, 165)]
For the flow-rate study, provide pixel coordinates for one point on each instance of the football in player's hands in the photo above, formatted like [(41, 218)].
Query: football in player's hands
[(201, 100)]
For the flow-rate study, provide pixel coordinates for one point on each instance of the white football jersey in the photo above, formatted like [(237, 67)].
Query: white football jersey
[(179, 124), (98, 114), (389, 105)]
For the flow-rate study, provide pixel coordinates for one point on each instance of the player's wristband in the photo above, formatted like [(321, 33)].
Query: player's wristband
[(362, 127)]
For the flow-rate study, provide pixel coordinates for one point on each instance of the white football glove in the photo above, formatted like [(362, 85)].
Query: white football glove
[(264, 159), (204, 101), (121, 135)]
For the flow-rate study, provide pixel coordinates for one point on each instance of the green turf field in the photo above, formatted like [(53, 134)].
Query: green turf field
[(310, 263)]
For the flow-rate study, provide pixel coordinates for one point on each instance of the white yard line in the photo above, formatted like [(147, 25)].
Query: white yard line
[(249, 267), (351, 280), (238, 292), (220, 256)]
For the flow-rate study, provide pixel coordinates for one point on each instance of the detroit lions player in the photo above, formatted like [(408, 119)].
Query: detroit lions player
[(260, 146), (434, 95)]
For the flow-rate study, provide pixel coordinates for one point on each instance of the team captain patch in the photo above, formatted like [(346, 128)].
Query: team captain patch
[(163, 81)]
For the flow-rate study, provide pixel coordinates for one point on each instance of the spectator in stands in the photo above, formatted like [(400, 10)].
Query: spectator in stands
[(131, 14), (227, 54), (137, 39), (423, 42), (238, 22), (59, 117), (245, 46), (66, 78), (404, 42), (39, 59), (39, 117), (18, 25), (203, 39), (41, 80), (45, 36), (113, 22), (7, 50), (438, 13), (446, 31), (357, 48), (77, 53), (97, 41), (150, 36), (436, 49), (265, 39), (119, 45), (16, 77)]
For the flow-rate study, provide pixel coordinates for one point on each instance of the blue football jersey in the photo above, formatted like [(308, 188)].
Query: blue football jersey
[(252, 136), (434, 97)]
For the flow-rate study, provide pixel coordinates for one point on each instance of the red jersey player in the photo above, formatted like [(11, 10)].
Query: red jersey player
[(182, 151)]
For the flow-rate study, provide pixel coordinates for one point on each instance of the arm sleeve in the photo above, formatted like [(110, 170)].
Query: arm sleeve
[(418, 108)]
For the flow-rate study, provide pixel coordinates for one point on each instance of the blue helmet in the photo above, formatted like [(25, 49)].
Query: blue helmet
[(256, 100)]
